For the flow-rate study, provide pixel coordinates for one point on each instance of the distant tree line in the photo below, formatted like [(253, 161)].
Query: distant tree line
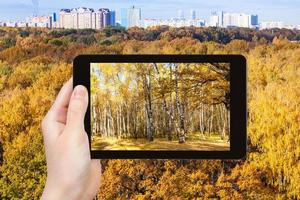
[(113, 35)]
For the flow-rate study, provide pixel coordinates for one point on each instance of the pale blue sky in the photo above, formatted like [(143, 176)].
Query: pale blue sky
[(287, 11)]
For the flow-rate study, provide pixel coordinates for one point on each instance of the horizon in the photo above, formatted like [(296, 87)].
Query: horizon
[(20, 10)]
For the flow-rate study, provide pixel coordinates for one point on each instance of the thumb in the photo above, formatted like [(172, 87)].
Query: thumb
[(77, 108)]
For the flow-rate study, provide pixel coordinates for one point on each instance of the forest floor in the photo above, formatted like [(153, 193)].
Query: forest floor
[(201, 144)]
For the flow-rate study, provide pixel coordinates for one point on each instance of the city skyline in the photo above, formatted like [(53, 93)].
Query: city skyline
[(268, 11), (81, 18)]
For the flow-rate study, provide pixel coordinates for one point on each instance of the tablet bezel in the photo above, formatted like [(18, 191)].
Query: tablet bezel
[(238, 104)]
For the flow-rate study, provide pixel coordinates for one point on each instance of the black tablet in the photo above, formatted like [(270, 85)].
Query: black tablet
[(164, 106)]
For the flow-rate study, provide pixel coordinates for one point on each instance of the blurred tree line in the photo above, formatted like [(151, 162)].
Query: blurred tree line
[(34, 63)]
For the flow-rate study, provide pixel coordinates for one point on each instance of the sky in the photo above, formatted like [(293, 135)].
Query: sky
[(287, 11)]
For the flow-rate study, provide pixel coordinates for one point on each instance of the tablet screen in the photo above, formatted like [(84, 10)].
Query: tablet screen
[(160, 106)]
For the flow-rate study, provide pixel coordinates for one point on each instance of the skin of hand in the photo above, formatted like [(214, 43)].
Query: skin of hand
[(71, 173)]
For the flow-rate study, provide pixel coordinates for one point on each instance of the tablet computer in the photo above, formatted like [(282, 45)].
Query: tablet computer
[(164, 106)]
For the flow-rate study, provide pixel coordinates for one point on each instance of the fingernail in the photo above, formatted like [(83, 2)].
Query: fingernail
[(79, 92)]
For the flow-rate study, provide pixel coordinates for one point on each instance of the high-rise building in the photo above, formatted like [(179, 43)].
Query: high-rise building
[(134, 16), (112, 18), (223, 19), (104, 17), (65, 19), (236, 20), (254, 20), (54, 22), (216, 19), (193, 14), (82, 18), (54, 18), (124, 17)]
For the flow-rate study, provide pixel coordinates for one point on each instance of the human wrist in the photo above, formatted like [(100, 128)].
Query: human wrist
[(57, 192), (51, 193)]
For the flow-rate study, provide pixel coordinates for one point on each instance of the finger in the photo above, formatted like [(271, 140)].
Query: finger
[(58, 111), (56, 116), (77, 109)]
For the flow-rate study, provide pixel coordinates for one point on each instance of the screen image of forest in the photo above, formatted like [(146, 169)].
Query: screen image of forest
[(160, 106)]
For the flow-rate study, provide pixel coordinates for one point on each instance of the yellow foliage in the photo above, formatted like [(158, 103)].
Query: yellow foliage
[(32, 72)]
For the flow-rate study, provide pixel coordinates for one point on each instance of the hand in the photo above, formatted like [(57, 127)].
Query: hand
[(71, 174)]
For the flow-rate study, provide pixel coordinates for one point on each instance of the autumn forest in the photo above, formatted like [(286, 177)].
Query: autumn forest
[(35, 63), (149, 106)]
